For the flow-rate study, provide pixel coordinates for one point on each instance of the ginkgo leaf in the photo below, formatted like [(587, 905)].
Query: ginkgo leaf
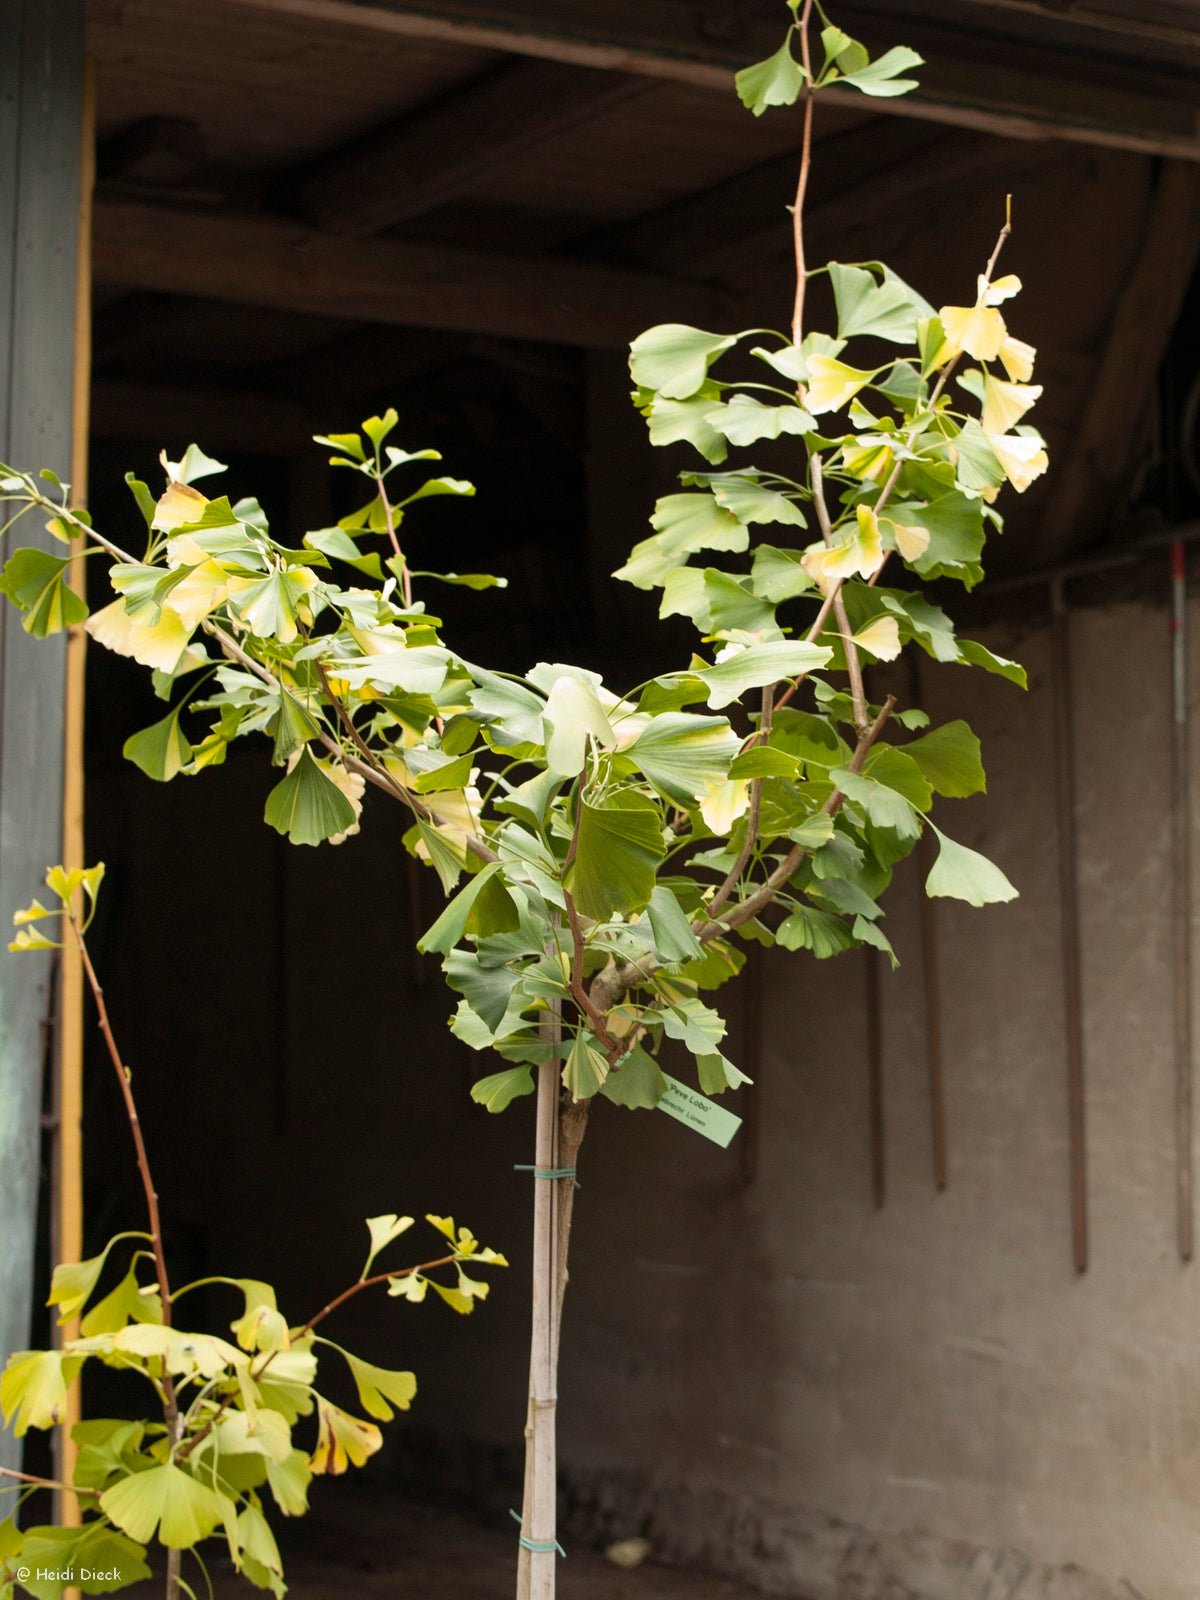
[(72, 1282), (978, 330), (999, 290), (859, 552), (673, 359), (161, 751), (307, 805), (499, 1089), (256, 1541), (163, 1498), (383, 1230), (158, 644), (179, 507), (33, 1388), (35, 582), (619, 845), (342, 1440), (128, 1302), (881, 638), (832, 384), (777, 81), (1017, 359), (1023, 457), (756, 665), (963, 874), (681, 754), (586, 1068), (261, 1325), (911, 541), (1004, 404), (881, 77), (723, 802), (637, 1081), (573, 714), (289, 1480), (379, 1390)]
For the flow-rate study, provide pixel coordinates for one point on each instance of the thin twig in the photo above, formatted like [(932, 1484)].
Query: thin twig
[(171, 1402), (48, 1483), (802, 180), (734, 875), (853, 664)]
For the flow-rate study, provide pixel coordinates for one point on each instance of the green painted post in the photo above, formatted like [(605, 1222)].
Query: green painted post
[(41, 99)]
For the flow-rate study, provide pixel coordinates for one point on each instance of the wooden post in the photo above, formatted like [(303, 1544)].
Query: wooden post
[(41, 115), (67, 1230)]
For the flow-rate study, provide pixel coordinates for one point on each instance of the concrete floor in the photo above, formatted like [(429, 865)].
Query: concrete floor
[(378, 1545)]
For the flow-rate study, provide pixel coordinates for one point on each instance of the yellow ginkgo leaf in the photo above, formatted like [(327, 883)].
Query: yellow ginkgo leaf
[(870, 459), (1023, 457), (1001, 289), (180, 506), (194, 596), (911, 541), (862, 553), (155, 644), (881, 638), (832, 384), (978, 330), (1017, 358), (1004, 404), (342, 1440), (722, 804)]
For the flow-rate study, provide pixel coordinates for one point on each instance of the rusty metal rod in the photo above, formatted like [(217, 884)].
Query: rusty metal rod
[(1182, 931), (1064, 766)]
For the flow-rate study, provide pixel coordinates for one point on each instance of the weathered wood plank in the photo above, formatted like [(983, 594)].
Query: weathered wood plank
[(976, 79), (264, 261), (1087, 484), (432, 157), (41, 81)]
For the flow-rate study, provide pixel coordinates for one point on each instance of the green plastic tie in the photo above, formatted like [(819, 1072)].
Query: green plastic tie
[(537, 1547), (549, 1172)]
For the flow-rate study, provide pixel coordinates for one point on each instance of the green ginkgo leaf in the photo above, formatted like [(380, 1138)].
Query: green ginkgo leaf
[(777, 81), (33, 1388), (499, 1089), (165, 1499), (35, 581), (620, 844), (586, 1068), (307, 806), (963, 874), (161, 751), (673, 359)]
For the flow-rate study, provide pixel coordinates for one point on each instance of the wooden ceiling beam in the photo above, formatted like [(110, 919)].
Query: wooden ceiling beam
[(862, 177), (976, 79), (223, 419), (427, 159), (1088, 484), (267, 262)]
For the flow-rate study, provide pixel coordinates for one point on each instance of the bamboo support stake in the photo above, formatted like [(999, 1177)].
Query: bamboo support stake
[(1181, 849), (874, 1021), (68, 1199), (932, 987), (1064, 755)]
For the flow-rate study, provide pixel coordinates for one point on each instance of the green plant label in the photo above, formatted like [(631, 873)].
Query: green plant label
[(692, 1108)]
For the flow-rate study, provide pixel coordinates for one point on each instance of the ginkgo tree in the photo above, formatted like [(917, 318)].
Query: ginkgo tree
[(219, 1449), (608, 852)]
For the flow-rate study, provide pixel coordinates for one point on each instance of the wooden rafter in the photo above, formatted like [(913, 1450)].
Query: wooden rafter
[(266, 262), (433, 156), (976, 78), (873, 171), (1088, 482)]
